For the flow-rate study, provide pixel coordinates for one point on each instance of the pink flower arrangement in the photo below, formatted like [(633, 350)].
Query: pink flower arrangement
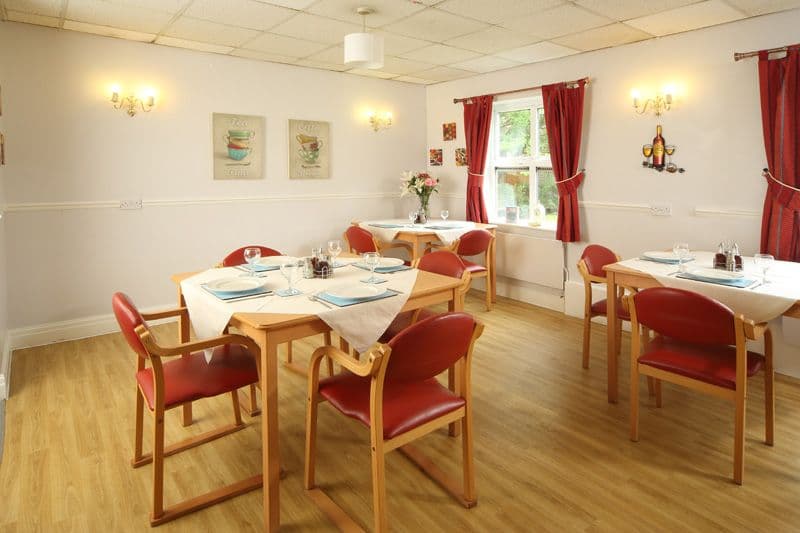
[(422, 184)]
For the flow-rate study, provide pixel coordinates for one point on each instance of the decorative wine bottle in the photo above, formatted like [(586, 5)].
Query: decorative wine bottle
[(658, 149)]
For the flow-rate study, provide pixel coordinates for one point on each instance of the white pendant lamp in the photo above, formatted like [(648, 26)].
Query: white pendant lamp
[(363, 50)]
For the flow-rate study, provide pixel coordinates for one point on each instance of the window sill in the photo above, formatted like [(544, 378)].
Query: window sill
[(545, 231)]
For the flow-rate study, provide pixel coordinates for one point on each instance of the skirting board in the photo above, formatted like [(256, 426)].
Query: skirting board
[(523, 291)]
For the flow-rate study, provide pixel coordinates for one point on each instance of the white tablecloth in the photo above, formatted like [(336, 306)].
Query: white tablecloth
[(761, 303), (456, 228), (361, 324)]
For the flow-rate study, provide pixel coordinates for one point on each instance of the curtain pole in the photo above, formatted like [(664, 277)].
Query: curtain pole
[(573, 83)]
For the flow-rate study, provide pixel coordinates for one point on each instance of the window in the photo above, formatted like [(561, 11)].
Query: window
[(519, 165)]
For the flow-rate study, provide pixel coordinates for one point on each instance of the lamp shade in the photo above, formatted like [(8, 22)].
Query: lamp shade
[(363, 50)]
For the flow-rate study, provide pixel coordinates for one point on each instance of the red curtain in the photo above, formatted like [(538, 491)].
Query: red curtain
[(563, 117), (780, 223), (477, 124)]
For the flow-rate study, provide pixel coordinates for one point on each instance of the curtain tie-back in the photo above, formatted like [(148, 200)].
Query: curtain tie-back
[(768, 174), (580, 172)]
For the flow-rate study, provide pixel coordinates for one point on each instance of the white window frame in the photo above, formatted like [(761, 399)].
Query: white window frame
[(532, 163)]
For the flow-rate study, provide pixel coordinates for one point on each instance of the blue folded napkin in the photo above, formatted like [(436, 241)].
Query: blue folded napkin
[(738, 282), (258, 268), (386, 225), (345, 302), (227, 295), (384, 270), (665, 260)]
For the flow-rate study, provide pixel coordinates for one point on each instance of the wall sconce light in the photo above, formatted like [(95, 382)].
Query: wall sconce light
[(379, 121), (659, 103), (131, 103)]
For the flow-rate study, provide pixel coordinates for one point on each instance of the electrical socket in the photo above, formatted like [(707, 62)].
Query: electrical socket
[(130, 204), (661, 210)]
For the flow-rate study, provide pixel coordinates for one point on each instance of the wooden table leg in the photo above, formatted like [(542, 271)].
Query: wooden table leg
[(454, 384), (184, 336), (269, 432), (611, 333)]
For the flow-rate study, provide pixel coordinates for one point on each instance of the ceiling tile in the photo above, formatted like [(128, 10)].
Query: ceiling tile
[(385, 11), (244, 13), (438, 74), (30, 18), (628, 9), (292, 4), (314, 28), (108, 31), (440, 54), (611, 35), (193, 45), (492, 40), (50, 8), (537, 52), (262, 56), (486, 64), (394, 44), (412, 79), (209, 32), (333, 54), (398, 65), (372, 73), (557, 21), (687, 18), (338, 67), (435, 25), (168, 6), (496, 10), (117, 15), (282, 45), (762, 7)]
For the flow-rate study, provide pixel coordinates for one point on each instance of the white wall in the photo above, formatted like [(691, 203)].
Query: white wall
[(715, 124), (66, 144), (5, 356)]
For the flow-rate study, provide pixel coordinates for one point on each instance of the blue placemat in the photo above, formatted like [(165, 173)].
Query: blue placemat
[(227, 296), (443, 227), (666, 261), (739, 282), (386, 225), (345, 302), (258, 268), (383, 270)]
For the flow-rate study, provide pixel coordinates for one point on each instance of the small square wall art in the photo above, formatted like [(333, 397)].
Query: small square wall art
[(461, 157), (449, 131), (435, 157)]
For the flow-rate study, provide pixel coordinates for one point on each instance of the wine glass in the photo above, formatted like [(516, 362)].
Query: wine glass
[(445, 213), (669, 150), (334, 248), (647, 152), (681, 250), (372, 259), (763, 262), (412, 217), (290, 271), (252, 255)]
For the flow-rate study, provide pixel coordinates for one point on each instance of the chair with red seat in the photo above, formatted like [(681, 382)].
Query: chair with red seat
[(360, 241), (475, 242), (236, 257), (591, 264), (166, 385), (442, 262), (700, 344), (393, 392)]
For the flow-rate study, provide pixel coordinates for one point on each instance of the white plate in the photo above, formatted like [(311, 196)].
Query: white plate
[(276, 260), (713, 273), (387, 262), (234, 285), (356, 291), (662, 256)]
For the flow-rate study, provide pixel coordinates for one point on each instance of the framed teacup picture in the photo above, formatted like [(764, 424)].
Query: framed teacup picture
[(309, 149), (238, 142)]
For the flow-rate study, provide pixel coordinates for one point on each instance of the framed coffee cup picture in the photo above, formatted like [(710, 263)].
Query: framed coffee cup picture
[(238, 142), (309, 149)]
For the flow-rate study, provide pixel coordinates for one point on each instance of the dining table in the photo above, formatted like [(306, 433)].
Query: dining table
[(269, 324), (759, 297), (419, 236)]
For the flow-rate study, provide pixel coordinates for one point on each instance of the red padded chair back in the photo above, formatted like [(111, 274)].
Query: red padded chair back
[(236, 257), (596, 257), (428, 347), (474, 242), (444, 262), (360, 240), (129, 318), (685, 315)]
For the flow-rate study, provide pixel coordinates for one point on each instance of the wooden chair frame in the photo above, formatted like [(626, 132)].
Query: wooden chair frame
[(588, 314), (453, 247), (155, 352), (374, 364), (745, 330)]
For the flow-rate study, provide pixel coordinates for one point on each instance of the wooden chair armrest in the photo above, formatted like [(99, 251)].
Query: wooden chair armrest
[(157, 315), (438, 246), (193, 346), (365, 367), (754, 331)]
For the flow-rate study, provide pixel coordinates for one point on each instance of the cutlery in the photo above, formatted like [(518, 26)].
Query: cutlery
[(315, 298), (755, 285), (250, 297)]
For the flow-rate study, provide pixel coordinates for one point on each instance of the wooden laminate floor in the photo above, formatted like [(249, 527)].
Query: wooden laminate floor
[(551, 453)]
